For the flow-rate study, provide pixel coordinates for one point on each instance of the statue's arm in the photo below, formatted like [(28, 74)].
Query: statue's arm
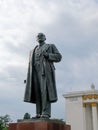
[(54, 55)]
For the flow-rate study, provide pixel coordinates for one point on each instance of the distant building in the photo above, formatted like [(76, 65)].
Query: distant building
[(82, 109)]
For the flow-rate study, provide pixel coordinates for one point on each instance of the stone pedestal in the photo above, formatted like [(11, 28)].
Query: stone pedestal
[(39, 125)]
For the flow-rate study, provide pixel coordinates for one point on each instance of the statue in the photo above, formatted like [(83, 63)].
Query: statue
[(40, 83)]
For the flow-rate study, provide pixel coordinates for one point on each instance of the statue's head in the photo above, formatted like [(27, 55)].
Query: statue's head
[(41, 37)]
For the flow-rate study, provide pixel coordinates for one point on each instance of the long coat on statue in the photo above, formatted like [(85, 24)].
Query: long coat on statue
[(47, 73)]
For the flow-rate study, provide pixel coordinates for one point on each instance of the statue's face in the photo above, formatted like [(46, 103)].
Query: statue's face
[(41, 37)]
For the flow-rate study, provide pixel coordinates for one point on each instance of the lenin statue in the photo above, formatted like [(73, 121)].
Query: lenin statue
[(40, 83)]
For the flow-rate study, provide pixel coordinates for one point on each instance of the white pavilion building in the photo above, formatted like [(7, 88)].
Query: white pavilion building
[(82, 109)]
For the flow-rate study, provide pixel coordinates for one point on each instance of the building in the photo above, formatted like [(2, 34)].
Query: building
[(82, 109)]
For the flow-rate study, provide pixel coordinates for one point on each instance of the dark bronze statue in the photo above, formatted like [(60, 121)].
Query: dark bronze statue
[(40, 83)]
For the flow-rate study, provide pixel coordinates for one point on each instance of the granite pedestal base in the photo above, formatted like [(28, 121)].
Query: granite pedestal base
[(39, 125)]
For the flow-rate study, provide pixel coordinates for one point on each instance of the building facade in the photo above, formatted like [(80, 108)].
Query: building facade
[(82, 110)]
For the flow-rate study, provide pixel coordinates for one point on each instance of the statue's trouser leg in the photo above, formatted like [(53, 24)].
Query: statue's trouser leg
[(42, 105), (37, 94), (46, 105)]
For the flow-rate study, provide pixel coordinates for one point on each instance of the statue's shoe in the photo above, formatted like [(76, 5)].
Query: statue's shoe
[(37, 116), (45, 116)]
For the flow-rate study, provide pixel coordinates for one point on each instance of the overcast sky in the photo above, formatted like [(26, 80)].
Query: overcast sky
[(72, 25)]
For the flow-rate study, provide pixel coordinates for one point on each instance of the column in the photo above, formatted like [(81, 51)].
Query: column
[(94, 116), (84, 116)]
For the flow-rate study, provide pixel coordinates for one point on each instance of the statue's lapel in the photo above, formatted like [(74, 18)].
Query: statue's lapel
[(40, 50), (44, 48)]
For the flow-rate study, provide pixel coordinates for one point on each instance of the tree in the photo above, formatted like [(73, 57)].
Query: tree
[(27, 116), (4, 121)]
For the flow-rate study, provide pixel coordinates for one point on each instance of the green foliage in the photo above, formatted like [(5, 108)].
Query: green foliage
[(27, 116), (4, 121), (5, 128), (59, 120)]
